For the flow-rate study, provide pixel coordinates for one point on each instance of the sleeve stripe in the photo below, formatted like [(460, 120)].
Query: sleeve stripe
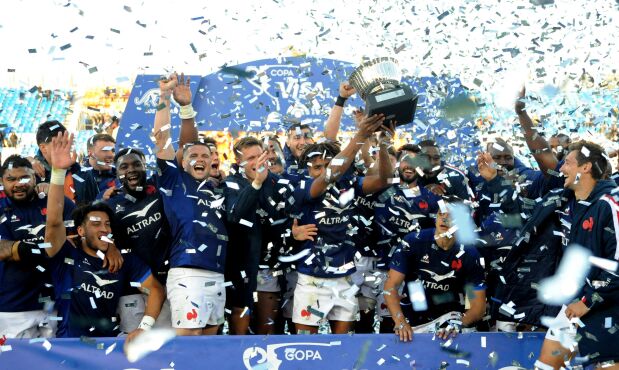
[(615, 211), (147, 274)]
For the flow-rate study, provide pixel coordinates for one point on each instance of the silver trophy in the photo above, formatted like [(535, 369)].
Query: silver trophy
[(378, 83)]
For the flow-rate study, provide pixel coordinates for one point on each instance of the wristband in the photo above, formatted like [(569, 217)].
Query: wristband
[(256, 186), (146, 323), (340, 101), (187, 112), (57, 177)]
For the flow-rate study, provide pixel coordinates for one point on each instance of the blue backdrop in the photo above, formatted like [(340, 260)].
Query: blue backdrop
[(270, 94), (474, 351)]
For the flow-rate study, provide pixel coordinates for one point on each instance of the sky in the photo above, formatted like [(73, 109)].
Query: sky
[(487, 43)]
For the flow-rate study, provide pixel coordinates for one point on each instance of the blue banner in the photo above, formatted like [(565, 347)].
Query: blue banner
[(139, 116), (270, 94), (277, 352)]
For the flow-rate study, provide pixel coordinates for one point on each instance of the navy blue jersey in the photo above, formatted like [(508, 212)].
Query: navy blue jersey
[(593, 223), (88, 294), (293, 169), (23, 283), (332, 253), (140, 225), (196, 213), (447, 275), (256, 218), (400, 210), (365, 237), (453, 180)]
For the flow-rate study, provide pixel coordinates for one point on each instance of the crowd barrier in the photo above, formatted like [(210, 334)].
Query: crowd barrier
[(500, 351)]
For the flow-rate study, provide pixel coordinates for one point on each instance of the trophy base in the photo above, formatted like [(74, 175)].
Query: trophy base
[(398, 104)]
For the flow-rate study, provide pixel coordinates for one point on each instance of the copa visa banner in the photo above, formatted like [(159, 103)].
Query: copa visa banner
[(500, 351), (270, 94)]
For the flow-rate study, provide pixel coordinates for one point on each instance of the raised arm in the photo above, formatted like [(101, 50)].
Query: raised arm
[(61, 159), (537, 144), (162, 128), (189, 132), (332, 127), (376, 182), (340, 164)]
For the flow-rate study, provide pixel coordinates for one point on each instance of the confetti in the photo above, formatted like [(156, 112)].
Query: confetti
[(147, 342), (568, 279)]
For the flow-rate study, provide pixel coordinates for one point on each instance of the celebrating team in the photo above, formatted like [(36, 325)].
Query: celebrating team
[(312, 233)]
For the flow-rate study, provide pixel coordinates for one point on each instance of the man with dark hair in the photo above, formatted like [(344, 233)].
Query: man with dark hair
[(440, 177), (101, 148), (88, 294), (590, 219), (402, 208), (77, 188), (409, 148), (275, 154), (298, 137), (195, 211), (324, 289), (139, 221), (216, 175), (443, 269), (25, 303), (560, 143), (254, 204)]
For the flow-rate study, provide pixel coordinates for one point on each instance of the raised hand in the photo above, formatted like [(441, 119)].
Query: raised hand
[(387, 133), (346, 90), (486, 166), (262, 170), (369, 125), (168, 84), (303, 232), (182, 91), (358, 117), (60, 151)]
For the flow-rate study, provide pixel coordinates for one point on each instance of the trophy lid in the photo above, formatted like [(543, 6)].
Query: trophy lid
[(376, 75)]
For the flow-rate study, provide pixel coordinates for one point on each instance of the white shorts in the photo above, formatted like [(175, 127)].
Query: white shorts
[(197, 297), (131, 310), (319, 299), (562, 330), (288, 298), (371, 282), (28, 324), (267, 282)]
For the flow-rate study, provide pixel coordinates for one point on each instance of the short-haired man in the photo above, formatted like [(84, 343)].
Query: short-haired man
[(298, 137), (324, 289), (444, 270), (216, 175), (25, 302), (78, 187), (559, 143), (139, 222), (591, 220), (439, 177), (88, 293), (195, 211), (101, 149), (254, 204)]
